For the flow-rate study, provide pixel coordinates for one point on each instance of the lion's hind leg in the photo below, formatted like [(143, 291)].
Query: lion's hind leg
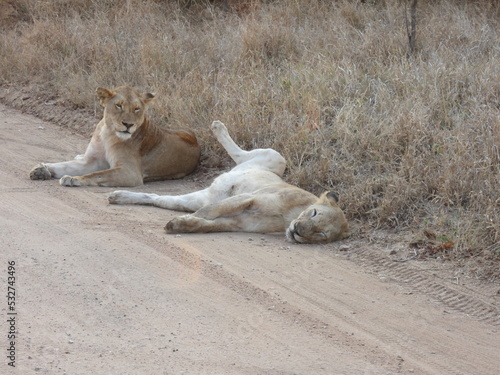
[(264, 158), (235, 152), (188, 202), (227, 207), (130, 197)]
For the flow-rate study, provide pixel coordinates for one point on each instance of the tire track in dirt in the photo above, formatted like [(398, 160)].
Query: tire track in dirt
[(454, 297), (386, 343)]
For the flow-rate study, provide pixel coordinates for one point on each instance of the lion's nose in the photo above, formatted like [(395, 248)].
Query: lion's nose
[(128, 125), (296, 228)]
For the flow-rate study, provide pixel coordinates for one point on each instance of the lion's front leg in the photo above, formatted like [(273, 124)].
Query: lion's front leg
[(246, 221), (228, 215), (77, 167), (193, 224), (232, 206), (109, 177)]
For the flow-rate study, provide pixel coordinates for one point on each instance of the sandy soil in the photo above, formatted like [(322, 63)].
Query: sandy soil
[(101, 289)]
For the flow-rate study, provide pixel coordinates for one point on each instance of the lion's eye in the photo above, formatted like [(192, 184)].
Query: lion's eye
[(314, 213), (137, 110), (118, 106)]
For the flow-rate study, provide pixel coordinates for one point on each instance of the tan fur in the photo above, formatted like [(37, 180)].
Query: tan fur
[(252, 197), (126, 149)]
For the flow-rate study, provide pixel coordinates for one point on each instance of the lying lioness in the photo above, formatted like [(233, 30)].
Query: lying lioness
[(251, 197), (126, 149)]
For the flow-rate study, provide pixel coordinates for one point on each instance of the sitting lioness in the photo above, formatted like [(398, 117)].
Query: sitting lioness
[(126, 149), (251, 197)]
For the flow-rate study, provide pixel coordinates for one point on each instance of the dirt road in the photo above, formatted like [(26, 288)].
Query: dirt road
[(101, 289)]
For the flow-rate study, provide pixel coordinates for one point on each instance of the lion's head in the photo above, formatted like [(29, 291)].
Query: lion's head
[(322, 222), (124, 109)]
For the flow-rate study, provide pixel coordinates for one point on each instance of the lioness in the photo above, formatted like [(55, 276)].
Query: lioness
[(126, 149), (251, 197)]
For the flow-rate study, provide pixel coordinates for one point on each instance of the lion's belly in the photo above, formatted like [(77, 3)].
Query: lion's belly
[(241, 181)]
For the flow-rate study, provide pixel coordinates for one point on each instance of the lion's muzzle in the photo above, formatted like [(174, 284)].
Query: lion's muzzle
[(292, 233)]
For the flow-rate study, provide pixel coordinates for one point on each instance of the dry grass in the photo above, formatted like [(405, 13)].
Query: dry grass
[(406, 142)]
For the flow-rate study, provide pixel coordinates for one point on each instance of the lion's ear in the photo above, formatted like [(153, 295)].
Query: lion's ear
[(329, 197), (104, 95), (148, 97), (332, 196)]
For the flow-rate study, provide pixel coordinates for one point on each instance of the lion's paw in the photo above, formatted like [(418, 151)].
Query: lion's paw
[(40, 172), (174, 225), (70, 181), (180, 224), (218, 127), (170, 227), (118, 197)]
